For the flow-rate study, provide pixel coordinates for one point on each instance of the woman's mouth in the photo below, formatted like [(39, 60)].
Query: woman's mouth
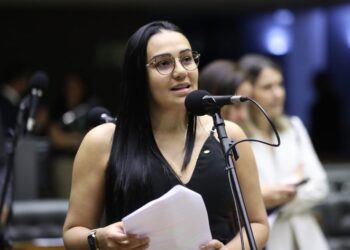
[(180, 87)]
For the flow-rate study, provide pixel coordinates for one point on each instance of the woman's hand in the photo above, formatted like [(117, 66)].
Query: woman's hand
[(279, 194), (113, 237), (213, 244)]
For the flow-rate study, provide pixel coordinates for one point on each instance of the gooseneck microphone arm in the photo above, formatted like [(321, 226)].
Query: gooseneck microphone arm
[(200, 102), (234, 183)]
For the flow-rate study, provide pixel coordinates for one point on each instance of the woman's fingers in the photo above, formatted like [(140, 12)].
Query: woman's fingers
[(133, 242), (213, 245), (112, 237)]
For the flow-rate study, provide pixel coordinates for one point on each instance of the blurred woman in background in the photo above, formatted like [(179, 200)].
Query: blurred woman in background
[(222, 77), (282, 168)]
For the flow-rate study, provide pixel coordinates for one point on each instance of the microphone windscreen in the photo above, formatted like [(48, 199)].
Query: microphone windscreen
[(39, 80), (94, 116), (193, 102)]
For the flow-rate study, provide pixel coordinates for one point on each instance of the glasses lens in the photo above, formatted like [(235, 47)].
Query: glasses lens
[(164, 65), (190, 60)]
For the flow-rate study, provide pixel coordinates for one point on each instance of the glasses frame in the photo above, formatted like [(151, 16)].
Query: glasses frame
[(196, 55)]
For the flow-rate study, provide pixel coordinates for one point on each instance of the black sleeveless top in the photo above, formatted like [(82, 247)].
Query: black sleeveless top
[(209, 179)]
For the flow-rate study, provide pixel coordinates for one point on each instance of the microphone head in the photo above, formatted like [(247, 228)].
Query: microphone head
[(194, 103), (39, 80), (94, 116)]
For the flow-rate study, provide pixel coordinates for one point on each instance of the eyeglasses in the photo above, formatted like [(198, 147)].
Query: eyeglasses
[(165, 64)]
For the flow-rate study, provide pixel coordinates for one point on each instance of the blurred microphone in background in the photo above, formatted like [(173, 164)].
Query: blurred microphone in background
[(38, 83), (99, 115), (78, 112), (14, 86)]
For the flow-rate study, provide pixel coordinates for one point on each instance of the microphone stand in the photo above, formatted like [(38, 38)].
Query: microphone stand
[(225, 145), (9, 166)]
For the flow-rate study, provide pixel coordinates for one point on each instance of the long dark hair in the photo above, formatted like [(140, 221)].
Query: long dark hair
[(134, 150)]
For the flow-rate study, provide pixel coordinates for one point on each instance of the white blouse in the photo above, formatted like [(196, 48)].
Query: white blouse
[(295, 226)]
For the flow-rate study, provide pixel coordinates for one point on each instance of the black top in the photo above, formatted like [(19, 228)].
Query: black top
[(209, 179)]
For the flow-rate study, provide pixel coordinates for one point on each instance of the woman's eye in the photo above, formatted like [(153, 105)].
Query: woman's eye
[(164, 63), (187, 59)]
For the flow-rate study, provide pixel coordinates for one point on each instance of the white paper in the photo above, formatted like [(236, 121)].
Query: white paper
[(178, 220)]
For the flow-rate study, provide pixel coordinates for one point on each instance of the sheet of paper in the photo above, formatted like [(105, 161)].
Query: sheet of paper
[(178, 220)]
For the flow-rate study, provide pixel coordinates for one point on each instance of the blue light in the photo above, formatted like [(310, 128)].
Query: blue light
[(284, 17), (277, 41), (341, 26)]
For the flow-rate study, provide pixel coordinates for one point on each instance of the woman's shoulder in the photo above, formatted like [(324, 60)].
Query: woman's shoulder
[(95, 148), (102, 131), (99, 137), (234, 130)]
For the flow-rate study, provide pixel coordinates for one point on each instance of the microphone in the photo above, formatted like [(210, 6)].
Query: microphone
[(200, 102), (99, 115), (78, 112), (38, 82)]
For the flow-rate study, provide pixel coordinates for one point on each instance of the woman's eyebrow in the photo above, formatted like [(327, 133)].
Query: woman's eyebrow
[(185, 50), (168, 54), (161, 55)]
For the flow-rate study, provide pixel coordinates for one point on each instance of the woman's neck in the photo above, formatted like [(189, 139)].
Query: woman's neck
[(169, 122)]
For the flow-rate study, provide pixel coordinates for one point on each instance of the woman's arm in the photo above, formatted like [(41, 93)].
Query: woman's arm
[(276, 195), (86, 201), (249, 183), (87, 192)]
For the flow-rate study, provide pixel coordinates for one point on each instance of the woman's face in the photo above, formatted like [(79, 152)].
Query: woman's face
[(238, 112), (269, 91), (170, 89)]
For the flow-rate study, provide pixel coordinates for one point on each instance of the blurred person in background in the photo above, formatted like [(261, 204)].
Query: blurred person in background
[(15, 85), (222, 77), (67, 128), (294, 226)]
